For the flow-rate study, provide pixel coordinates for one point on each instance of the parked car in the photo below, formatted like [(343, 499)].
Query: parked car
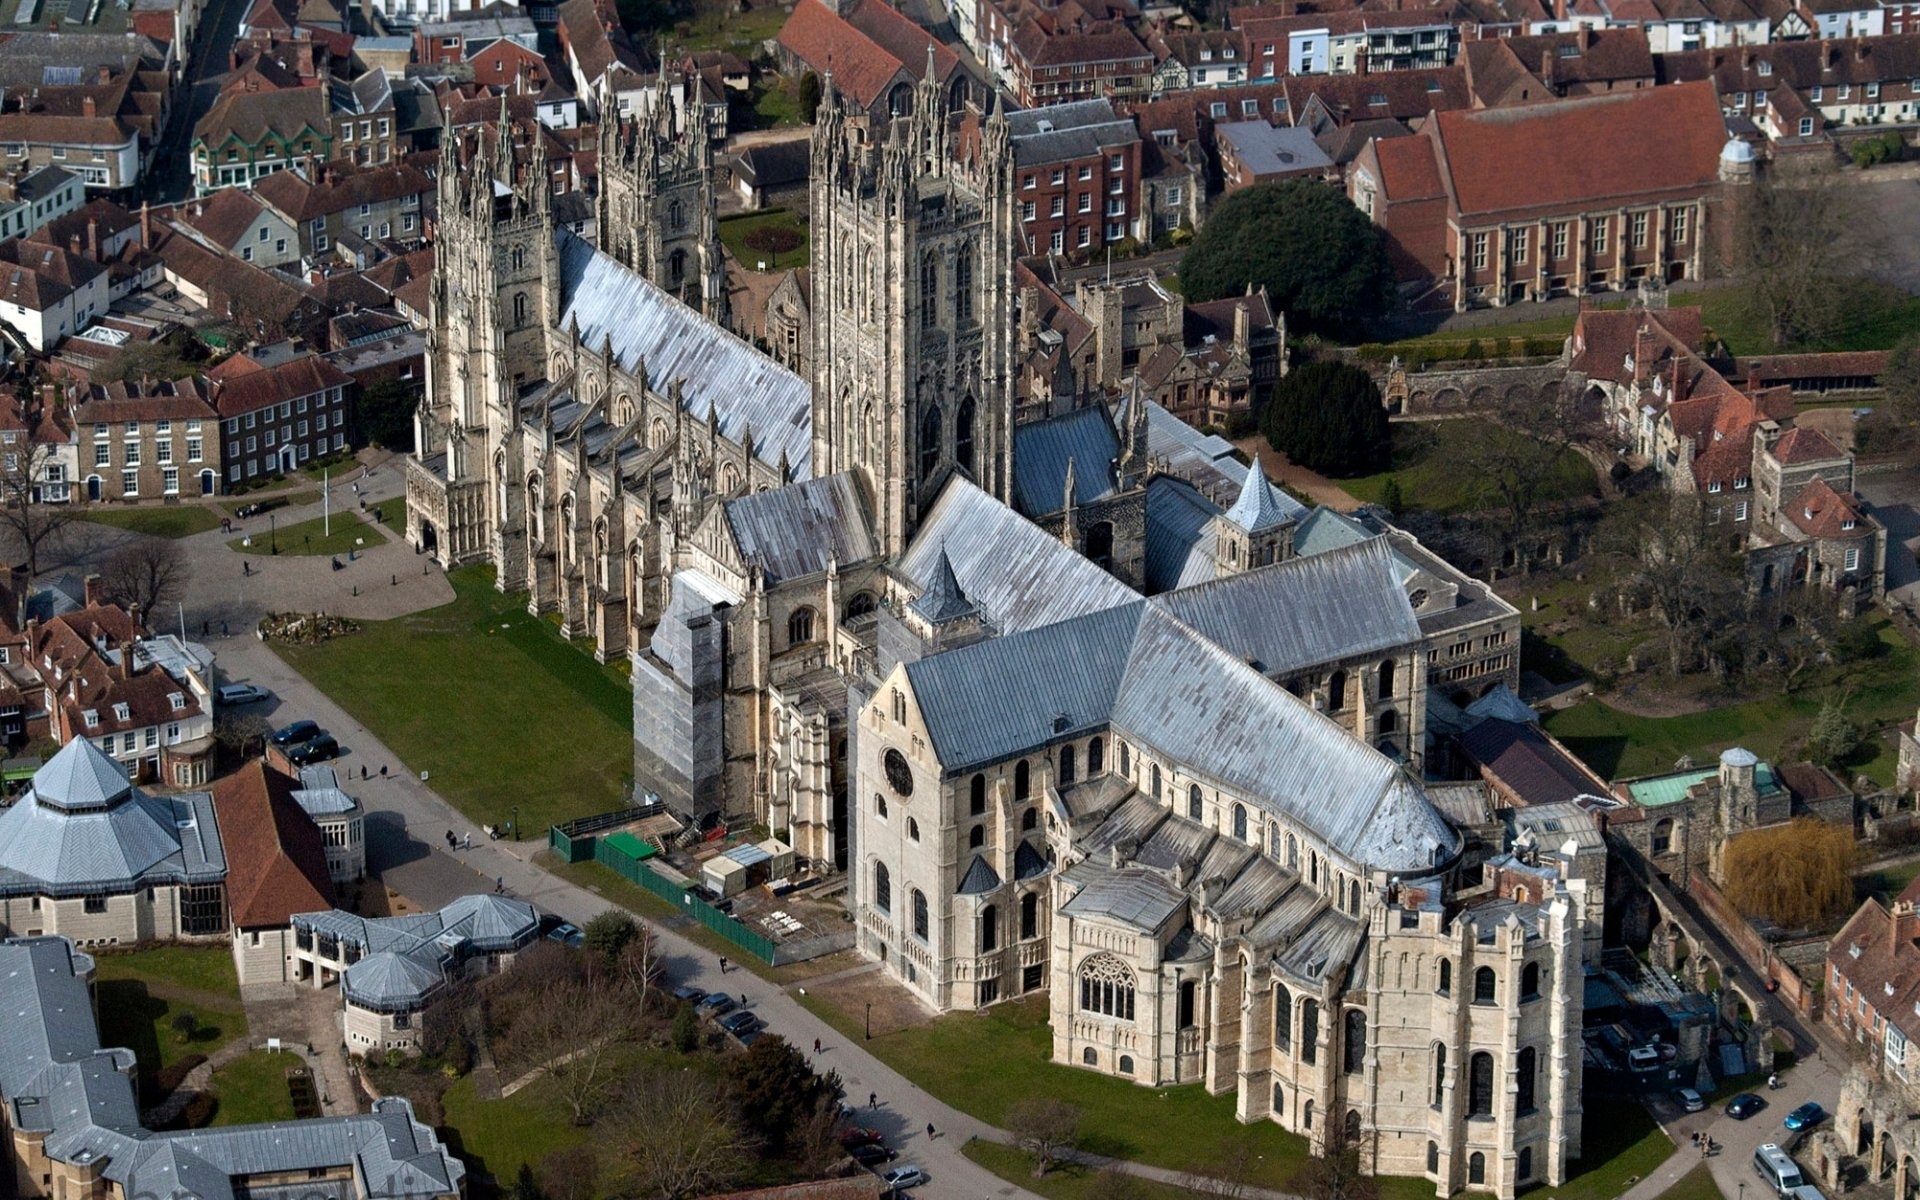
[(717, 1004), (858, 1137), (737, 1023), (904, 1177), (1806, 1116), (1643, 1058), (567, 935), (319, 749), (872, 1154), (297, 734), (689, 992), (243, 693), (1744, 1105), (751, 1036), (1688, 1100)]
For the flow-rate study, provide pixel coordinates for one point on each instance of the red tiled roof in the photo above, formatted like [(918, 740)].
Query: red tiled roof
[(1569, 155), (1803, 445), (276, 860), (242, 390), (1820, 511), (862, 68), (1408, 169), (224, 217)]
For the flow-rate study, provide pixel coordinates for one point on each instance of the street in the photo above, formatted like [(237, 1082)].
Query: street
[(171, 178)]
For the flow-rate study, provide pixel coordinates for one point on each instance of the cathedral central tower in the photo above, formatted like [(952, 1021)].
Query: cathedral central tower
[(912, 283)]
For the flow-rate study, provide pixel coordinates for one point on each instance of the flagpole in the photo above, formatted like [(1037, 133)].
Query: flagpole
[(326, 504)]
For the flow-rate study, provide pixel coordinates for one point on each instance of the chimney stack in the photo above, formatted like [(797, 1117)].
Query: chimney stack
[(92, 590), (93, 237), (87, 107), (1900, 926), (73, 243)]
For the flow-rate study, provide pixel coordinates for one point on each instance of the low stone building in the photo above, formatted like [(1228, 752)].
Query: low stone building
[(279, 866)]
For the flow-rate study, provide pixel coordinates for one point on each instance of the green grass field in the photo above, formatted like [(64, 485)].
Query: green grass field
[(205, 969), (312, 538), (1696, 1184), (253, 1088), (165, 521), (502, 682), (1426, 461), (496, 1136), (393, 514), (734, 231), (1616, 743), (741, 32), (279, 500)]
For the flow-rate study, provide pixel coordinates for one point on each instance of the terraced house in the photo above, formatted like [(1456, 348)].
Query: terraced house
[(280, 410), (337, 205), (148, 439)]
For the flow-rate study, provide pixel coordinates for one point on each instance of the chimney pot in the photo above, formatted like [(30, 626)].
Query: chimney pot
[(91, 589)]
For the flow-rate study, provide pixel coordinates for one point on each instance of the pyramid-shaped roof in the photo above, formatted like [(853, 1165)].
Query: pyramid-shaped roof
[(81, 776), (1261, 505), (943, 600)]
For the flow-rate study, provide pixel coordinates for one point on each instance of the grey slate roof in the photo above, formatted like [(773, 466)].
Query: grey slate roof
[(1135, 897), (1261, 505), (1181, 541), (1042, 450), (390, 981), (718, 372), (980, 878), (405, 959), (1304, 611), (794, 530), (1060, 132), (93, 832), (1018, 576), (1273, 149), (57, 1080)]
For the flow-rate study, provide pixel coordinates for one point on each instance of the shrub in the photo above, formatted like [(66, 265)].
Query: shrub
[(198, 1113), (175, 1073), (1322, 262), (686, 1030), (1474, 350), (774, 239), (1792, 875), (184, 1026)]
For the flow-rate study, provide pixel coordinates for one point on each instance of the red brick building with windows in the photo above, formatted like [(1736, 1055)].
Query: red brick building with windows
[(1076, 177), (1051, 64), (1583, 195)]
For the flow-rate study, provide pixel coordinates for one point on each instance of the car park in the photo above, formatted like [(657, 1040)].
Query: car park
[(319, 749), (904, 1177), (1689, 1100), (1806, 1116), (1744, 1105), (717, 1004), (872, 1154), (243, 693), (297, 734), (689, 992), (567, 935)]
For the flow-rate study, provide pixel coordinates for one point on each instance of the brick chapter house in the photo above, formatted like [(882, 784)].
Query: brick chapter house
[(1527, 203)]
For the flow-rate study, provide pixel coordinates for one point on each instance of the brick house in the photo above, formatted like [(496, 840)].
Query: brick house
[(1524, 204), (1873, 983), (875, 54), (148, 440), (1049, 62), (1253, 152), (1280, 43), (237, 222), (341, 202), (103, 129), (1076, 176), (1585, 62), (279, 416), (1801, 89)]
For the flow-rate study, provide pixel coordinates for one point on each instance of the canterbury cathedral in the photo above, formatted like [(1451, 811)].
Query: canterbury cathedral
[(1073, 699)]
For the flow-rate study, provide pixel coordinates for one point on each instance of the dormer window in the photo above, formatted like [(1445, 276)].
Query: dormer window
[(121, 712), (1763, 67), (1808, 510), (1741, 483), (1714, 486), (1854, 950), (92, 718), (1847, 523), (177, 700)]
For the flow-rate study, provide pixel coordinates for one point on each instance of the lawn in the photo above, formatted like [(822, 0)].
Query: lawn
[(1618, 744), (1885, 882), (204, 969), (741, 32), (501, 681), (1696, 1184), (139, 1016), (253, 1088), (1426, 462), (1619, 1143), (393, 514), (312, 538), (165, 521), (775, 105), (496, 1136), (1072, 1181), (734, 231)]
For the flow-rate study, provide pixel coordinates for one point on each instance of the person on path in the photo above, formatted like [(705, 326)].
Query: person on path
[(723, 964), (383, 770), (873, 1099), (466, 841), (816, 1045), (930, 1133)]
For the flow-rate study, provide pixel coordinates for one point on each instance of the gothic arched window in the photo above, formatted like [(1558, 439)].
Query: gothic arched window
[(963, 435), (989, 930), (1523, 1082), (977, 801), (519, 309), (1309, 1031), (800, 627), (1337, 691), (1439, 1073), (1480, 1085), (1106, 987), (920, 914), (929, 442), (1153, 774), (1096, 756), (963, 286), (929, 291), (882, 888), (1022, 780), (1066, 764), (861, 604), (1240, 821), (676, 267), (518, 257), (1282, 1019), (1386, 679), (1355, 1041), (1484, 987), (1196, 805), (676, 216), (1029, 915)]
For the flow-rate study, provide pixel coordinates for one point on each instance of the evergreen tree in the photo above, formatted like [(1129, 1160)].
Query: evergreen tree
[(1328, 417), (1322, 262)]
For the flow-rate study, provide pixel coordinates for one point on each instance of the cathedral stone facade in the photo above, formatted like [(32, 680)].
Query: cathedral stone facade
[(1070, 701)]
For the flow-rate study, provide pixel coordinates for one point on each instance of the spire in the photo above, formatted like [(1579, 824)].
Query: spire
[(1262, 506), (942, 600)]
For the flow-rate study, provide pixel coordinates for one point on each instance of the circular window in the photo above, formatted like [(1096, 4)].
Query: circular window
[(899, 777), (1419, 598)]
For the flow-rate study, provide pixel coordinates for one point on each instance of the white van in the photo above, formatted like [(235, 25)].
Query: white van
[(1782, 1174)]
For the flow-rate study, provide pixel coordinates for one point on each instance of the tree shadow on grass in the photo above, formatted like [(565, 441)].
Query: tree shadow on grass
[(1107, 1145), (1603, 754)]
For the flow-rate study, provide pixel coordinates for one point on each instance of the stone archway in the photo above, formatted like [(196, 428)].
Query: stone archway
[(429, 538)]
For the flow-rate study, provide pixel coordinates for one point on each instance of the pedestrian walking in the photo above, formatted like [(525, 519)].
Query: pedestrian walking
[(466, 841), (743, 999), (500, 884), (246, 568), (723, 964), (204, 627), (383, 770), (816, 1045), (873, 1099), (450, 842), (223, 629), (930, 1134)]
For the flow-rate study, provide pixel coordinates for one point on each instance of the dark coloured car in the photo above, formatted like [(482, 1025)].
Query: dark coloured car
[(297, 734), (1806, 1116), (738, 1023), (717, 1004), (753, 1035), (872, 1154), (567, 935), (320, 749), (1744, 1105), (687, 991)]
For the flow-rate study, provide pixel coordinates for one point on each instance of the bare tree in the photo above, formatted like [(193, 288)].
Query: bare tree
[(1516, 456), (1798, 243), (145, 574), (677, 1136), (575, 1036), (1043, 1129), (1339, 1172), (239, 734), (1227, 1174), (640, 964), (1682, 566), (35, 524)]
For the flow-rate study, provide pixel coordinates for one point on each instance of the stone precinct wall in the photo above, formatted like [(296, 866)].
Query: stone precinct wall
[(1441, 393)]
